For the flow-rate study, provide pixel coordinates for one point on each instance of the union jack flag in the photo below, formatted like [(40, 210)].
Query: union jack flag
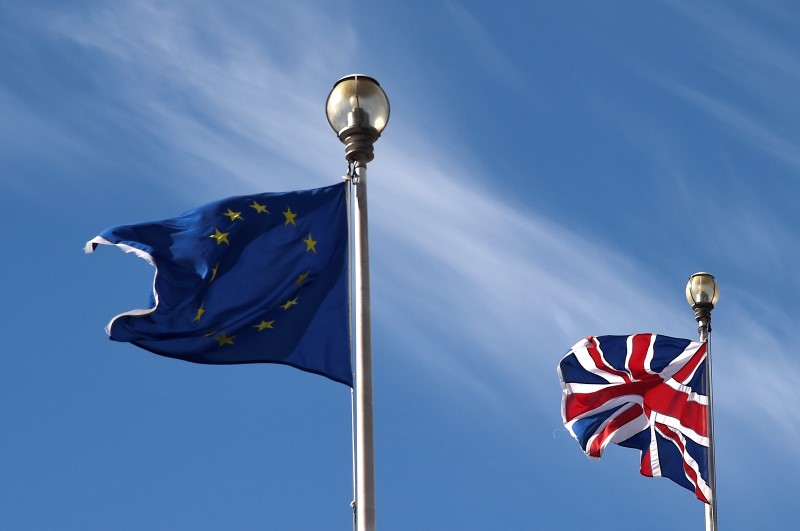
[(642, 391)]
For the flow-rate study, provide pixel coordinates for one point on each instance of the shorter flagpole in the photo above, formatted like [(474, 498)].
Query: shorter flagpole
[(702, 293), (711, 508)]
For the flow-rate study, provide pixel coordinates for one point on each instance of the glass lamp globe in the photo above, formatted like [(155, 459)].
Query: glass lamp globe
[(702, 289), (357, 101)]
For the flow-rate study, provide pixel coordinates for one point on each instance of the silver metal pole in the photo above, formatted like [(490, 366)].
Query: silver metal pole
[(704, 329), (358, 128), (365, 456)]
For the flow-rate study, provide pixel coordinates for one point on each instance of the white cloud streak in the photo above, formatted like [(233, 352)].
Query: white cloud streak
[(477, 293), (214, 93), (482, 44), (750, 128), (762, 76)]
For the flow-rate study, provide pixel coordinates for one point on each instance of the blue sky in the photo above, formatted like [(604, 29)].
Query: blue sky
[(551, 170)]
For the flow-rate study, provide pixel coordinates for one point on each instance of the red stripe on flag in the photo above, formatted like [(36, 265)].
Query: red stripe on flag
[(676, 404), (687, 370), (600, 363), (640, 344), (629, 415), (647, 465), (691, 475), (577, 404)]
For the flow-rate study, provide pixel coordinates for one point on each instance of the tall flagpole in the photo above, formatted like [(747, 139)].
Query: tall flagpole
[(365, 453), (702, 293), (357, 109)]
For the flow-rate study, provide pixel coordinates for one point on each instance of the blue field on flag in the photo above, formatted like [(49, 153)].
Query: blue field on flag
[(250, 279)]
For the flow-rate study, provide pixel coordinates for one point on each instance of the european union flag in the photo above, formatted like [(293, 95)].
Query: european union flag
[(251, 279)]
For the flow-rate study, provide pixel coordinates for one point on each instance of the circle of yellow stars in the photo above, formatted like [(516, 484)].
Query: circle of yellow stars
[(221, 237)]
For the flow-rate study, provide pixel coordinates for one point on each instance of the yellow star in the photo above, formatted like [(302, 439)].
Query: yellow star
[(311, 245), (290, 303), (261, 209), (200, 312), (224, 339), (289, 215), (264, 325), (210, 333), (234, 215), (221, 237), (301, 278), (214, 273)]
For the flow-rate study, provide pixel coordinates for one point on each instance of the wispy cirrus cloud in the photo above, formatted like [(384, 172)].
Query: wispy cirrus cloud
[(478, 294), (750, 127), (760, 75), (213, 92), (482, 44)]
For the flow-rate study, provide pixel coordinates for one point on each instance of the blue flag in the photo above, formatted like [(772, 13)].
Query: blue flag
[(251, 279)]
